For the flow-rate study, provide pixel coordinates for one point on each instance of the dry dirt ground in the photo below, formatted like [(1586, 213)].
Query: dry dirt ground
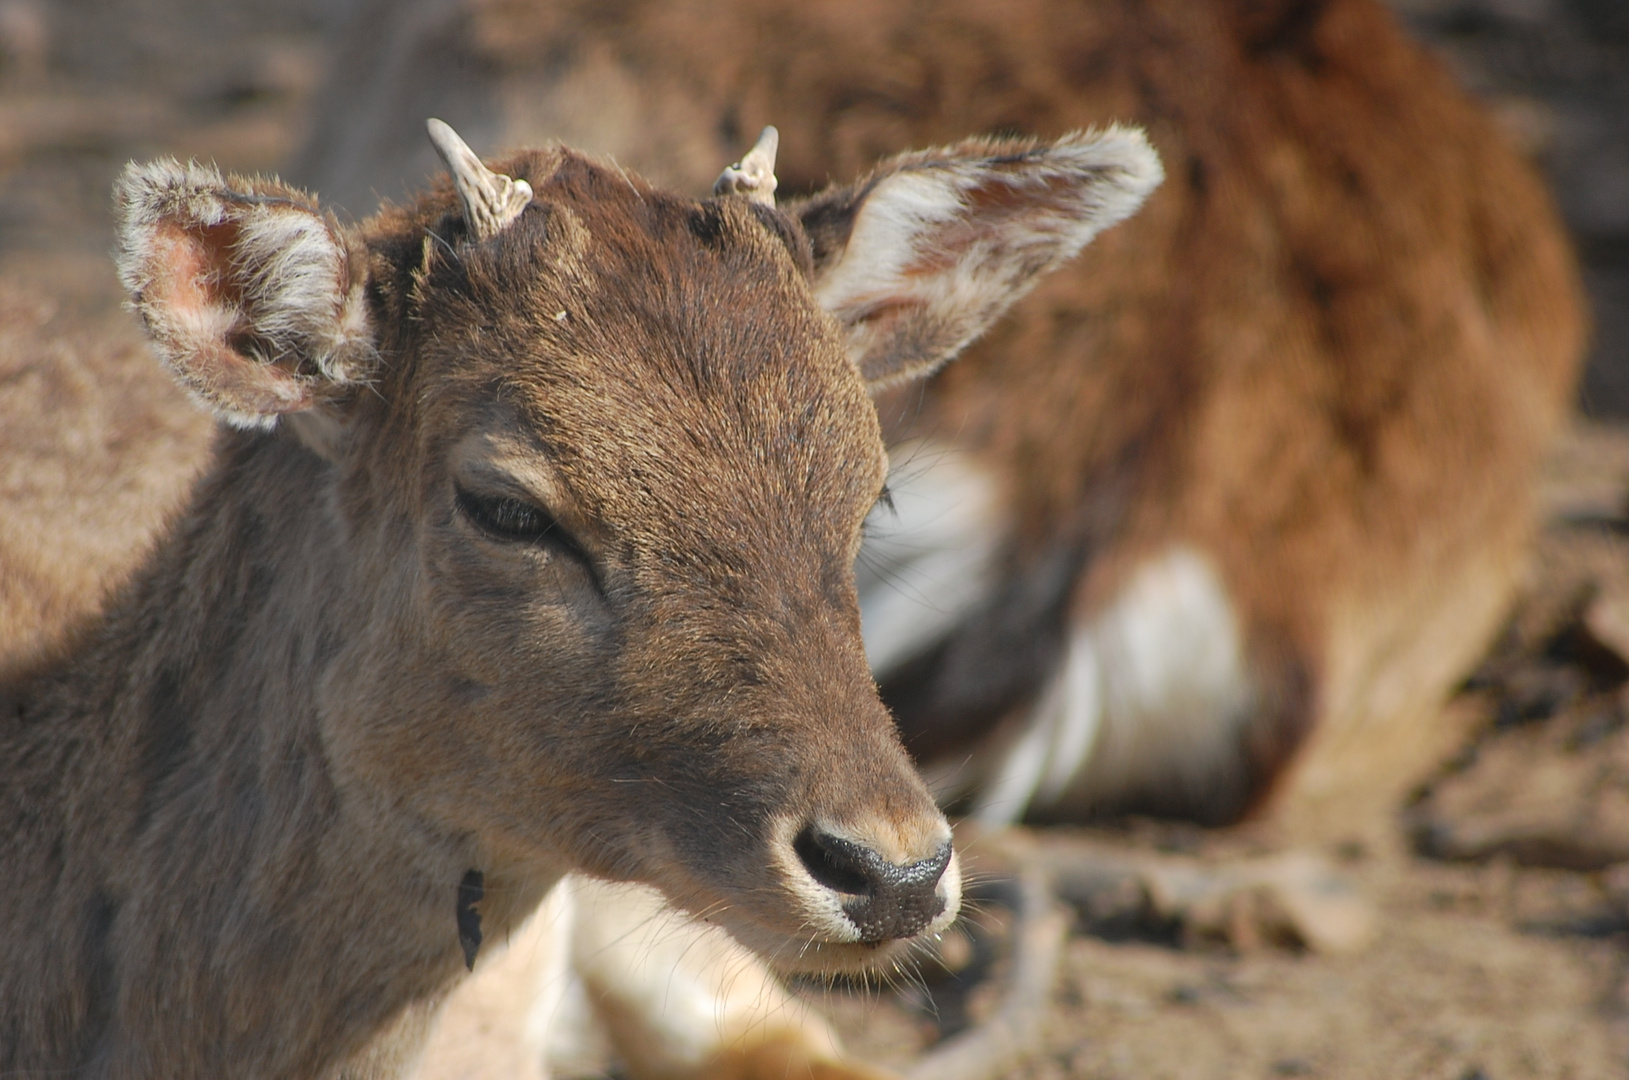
[(1499, 896)]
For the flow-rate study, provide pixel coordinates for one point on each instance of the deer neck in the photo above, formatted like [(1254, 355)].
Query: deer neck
[(207, 876)]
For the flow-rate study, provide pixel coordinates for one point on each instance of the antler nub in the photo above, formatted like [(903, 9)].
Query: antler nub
[(491, 200), (754, 175)]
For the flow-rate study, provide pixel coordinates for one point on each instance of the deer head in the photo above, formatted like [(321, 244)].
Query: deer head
[(569, 476)]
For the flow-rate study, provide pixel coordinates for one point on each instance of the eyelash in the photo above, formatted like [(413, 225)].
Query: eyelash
[(512, 520)]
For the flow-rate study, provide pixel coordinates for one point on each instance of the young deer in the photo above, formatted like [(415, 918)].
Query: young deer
[(525, 548), (1214, 523)]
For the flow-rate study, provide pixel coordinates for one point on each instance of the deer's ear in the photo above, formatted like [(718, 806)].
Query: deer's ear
[(253, 297), (919, 258)]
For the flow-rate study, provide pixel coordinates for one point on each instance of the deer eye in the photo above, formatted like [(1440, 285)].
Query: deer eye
[(506, 518)]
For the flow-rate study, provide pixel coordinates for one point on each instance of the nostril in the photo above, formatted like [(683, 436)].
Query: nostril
[(884, 900), (838, 864)]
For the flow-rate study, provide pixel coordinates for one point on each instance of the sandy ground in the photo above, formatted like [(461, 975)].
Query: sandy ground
[(1478, 972), (1500, 895)]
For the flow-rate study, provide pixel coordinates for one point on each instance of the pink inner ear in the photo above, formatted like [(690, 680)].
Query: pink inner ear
[(193, 267), (196, 313)]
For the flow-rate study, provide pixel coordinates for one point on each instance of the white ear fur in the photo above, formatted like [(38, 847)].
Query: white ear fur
[(250, 293), (940, 243)]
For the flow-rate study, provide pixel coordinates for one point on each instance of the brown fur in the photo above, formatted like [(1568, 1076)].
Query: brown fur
[(217, 800), (237, 807), (1328, 355)]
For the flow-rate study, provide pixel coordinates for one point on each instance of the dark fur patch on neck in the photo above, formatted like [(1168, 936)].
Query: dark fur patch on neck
[(470, 892)]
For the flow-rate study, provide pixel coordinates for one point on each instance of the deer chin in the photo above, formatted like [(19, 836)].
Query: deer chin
[(809, 955)]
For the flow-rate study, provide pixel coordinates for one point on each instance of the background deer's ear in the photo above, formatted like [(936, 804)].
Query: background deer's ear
[(919, 258), (253, 297)]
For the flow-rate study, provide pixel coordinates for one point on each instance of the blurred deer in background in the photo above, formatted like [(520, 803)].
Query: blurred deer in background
[(525, 547)]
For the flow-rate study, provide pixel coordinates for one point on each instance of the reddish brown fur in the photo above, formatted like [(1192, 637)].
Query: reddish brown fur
[(1339, 343), (1328, 354)]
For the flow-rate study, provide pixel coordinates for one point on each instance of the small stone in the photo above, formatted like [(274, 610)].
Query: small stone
[(1185, 995)]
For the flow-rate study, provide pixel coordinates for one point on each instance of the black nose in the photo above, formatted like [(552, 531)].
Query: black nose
[(883, 899)]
